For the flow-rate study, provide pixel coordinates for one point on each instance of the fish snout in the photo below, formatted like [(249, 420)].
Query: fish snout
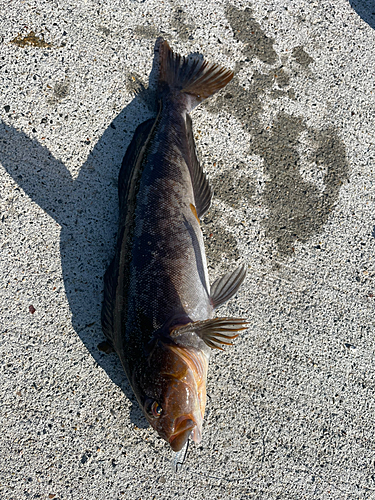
[(183, 427)]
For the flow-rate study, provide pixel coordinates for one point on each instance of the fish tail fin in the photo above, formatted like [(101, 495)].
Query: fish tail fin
[(192, 76)]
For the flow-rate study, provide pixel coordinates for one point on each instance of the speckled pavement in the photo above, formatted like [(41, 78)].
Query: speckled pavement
[(288, 146)]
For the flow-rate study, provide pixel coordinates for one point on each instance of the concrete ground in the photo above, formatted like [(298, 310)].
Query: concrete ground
[(289, 149)]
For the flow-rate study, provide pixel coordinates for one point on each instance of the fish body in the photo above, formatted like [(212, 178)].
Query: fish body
[(158, 306)]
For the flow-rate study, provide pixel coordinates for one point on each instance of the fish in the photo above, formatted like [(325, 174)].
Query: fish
[(158, 305)]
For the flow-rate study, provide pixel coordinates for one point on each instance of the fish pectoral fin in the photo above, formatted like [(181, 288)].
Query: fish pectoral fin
[(214, 332), (226, 287)]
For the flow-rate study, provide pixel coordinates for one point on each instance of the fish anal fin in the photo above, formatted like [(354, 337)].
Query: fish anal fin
[(201, 186), (225, 288), (214, 332)]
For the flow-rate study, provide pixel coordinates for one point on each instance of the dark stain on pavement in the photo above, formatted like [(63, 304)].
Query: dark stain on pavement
[(179, 21), (219, 242), (301, 57), (61, 90), (31, 40), (297, 208), (232, 188), (247, 30), (148, 32)]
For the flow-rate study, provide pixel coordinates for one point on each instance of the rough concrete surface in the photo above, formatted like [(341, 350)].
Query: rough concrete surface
[(289, 149)]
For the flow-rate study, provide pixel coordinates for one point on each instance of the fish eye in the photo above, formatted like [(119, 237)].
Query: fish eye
[(156, 409)]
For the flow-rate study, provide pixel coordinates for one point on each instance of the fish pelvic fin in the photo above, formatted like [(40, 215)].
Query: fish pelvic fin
[(226, 287), (214, 332), (193, 76)]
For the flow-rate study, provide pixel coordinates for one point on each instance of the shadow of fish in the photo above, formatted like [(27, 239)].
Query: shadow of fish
[(158, 305)]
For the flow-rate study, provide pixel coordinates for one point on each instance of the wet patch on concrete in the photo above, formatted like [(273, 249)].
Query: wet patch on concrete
[(281, 78), (61, 90), (179, 21), (330, 156), (246, 104), (247, 30), (297, 208), (148, 32), (301, 57), (31, 40), (104, 30), (233, 189), (220, 244)]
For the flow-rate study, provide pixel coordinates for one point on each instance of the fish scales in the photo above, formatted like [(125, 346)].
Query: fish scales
[(166, 279), (158, 307)]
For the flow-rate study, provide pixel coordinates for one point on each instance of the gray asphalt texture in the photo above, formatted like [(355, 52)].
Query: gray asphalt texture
[(288, 146)]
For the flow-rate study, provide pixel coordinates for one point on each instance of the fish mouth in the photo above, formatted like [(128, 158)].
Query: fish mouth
[(183, 428)]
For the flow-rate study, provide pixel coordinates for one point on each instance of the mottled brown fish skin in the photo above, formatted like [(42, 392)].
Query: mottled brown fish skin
[(158, 282)]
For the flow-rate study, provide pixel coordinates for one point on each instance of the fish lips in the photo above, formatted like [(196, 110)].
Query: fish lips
[(184, 427)]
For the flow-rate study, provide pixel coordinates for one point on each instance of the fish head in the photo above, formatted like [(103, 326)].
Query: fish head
[(174, 393)]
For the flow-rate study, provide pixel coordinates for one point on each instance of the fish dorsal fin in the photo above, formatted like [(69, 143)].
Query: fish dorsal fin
[(129, 162), (225, 287), (201, 186), (110, 280), (214, 332), (129, 167)]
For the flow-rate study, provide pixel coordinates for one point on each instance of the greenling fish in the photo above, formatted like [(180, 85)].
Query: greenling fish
[(158, 303)]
